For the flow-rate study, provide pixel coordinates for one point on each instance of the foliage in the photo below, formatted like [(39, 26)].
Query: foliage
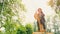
[(56, 18), (29, 29), (21, 30), (55, 4), (51, 3), (24, 30), (8, 9), (58, 2), (1, 32)]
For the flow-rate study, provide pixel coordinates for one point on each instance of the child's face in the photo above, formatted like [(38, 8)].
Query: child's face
[(39, 10)]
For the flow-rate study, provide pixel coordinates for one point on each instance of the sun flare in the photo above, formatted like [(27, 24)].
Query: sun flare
[(33, 5)]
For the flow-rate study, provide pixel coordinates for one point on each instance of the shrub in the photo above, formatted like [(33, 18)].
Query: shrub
[(29, 29), (25, 30), (21, 30)]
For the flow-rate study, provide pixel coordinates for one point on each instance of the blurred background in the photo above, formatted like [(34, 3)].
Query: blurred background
[(17, 16)]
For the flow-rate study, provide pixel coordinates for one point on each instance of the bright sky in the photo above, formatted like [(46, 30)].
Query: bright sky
[(33, 5)]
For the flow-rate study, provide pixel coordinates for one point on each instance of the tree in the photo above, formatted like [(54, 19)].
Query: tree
[(9, 9), (56, 6)]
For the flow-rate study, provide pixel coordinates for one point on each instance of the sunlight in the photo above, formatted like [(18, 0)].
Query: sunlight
[(33, 5)]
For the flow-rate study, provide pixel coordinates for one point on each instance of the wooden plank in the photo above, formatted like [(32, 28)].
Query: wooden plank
[(42, 33), (38, 33)]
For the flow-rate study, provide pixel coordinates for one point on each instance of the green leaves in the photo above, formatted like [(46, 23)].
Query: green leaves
[(51, 3), (29, 29), (8, 9), (58, 2), (22, 7), (24, 30), (1, 5), (21, 30)]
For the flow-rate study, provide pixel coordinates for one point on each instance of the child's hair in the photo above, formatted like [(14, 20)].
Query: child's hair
[(39, 10)]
